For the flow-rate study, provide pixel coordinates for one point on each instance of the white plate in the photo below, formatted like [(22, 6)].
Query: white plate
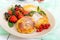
[(13, 30)]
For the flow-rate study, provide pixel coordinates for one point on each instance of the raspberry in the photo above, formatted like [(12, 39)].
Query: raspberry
[(46, 26), (9, 12), (13, 19), (17, 13), (16, 8), (21, 9), (39, 29), (25, 12), (20, 16), (42, 25)]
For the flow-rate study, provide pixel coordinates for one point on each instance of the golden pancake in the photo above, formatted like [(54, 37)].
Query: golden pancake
[(25, 25)]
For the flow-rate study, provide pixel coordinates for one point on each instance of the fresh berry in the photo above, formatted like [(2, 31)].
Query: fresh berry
[(6, 16), (40, 29), (25, 12), (42, 25), (20, 16), (9, 12), (46, 26), (21, 9), (13, 19), (16, 8), (17, 13), (37, 30), (17, 5)]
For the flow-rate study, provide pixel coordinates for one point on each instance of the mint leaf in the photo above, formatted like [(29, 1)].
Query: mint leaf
[(10, 24), (31, 13), (13, 10), (40, 11), (43, 12)]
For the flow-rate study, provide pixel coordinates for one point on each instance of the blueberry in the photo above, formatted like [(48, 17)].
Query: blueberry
[(6, 15), (17, 5)]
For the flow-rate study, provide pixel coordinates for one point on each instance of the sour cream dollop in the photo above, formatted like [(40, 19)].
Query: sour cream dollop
[(36, 16)]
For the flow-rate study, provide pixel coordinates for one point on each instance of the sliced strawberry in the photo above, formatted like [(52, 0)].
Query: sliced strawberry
[(16, 8), (21, 9), (17, 13), (20, 16), (13, 18), (9, 12), (25, 12)]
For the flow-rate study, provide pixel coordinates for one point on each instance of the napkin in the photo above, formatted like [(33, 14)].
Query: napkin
[(2, 31)]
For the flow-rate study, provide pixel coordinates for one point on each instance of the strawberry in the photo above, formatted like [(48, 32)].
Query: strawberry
[(16, 8), (13, 19), (21, 9), (20, 16), (9, 12), (17, 13), (25, 12), (40, 29)]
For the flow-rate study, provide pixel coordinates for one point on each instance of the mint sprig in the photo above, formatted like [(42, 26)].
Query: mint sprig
[(40, 11), (31, 13)]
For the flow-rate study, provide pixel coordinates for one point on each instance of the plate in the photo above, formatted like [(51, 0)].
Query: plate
[(13, 30)]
